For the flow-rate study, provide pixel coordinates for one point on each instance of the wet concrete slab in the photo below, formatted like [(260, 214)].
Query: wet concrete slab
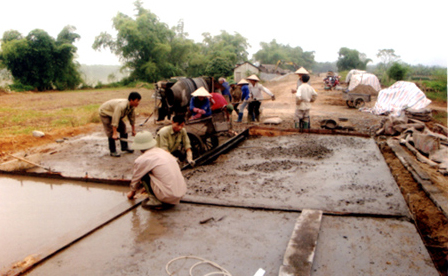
[(143, 242), (34, 212), (370, 246), (241, 241), (87, 155), (337, 174)]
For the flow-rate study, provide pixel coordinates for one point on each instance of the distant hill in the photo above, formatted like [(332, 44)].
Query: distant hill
[(92, 74)]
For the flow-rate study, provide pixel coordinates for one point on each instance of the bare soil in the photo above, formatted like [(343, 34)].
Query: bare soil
[(430, 221)]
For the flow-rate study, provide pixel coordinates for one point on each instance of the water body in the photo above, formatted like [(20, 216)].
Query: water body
[(35, 212)]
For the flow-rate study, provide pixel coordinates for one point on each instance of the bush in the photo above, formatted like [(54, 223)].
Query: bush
[(397, 71), (19, 87)]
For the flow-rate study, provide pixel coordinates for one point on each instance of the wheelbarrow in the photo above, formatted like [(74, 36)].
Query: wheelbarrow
[(356, 100)]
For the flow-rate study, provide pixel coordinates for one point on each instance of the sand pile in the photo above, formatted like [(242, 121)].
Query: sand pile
[(364, 89)]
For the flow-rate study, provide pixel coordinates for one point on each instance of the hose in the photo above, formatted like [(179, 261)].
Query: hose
[(201, 262)]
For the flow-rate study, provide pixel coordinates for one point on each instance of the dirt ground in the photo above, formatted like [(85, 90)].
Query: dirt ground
[(430, 221)]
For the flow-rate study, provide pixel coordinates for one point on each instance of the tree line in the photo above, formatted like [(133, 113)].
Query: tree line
[(150, 50)]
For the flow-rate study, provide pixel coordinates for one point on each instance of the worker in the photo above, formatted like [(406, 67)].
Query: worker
[(304, 97), (219, 103), (112, 114), (255, 88), (235, 91), (225, 89), (158, 172), (300, 72), (200, 104), (174, 139), (245, 96)]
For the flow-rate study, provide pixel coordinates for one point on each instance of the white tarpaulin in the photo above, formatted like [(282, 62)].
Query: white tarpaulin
[(367, 79), (399, 96), (353, 72)]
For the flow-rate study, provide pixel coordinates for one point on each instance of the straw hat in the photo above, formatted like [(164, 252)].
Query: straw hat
[(242, 82), (143, 141), (201, 92), (301, 71), (253, 77)]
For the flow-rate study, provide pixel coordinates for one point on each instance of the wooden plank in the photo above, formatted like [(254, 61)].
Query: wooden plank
[(272, 131), (299, 255), (398, 149), (28, 262), (420, 176)]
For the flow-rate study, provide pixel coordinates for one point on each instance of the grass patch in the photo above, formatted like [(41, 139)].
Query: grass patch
[(21, 113)]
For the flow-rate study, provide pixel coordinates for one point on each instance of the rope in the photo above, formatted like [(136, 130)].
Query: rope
[(201, 262)]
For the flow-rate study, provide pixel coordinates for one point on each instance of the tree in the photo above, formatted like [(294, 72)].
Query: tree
[(272, 52), (351, 59), (219, 67), (397, 71), (143, 44), (387, 57), (40, 61)]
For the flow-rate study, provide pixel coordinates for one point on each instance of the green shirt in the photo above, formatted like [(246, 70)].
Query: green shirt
[(168, 140), (118, 109)]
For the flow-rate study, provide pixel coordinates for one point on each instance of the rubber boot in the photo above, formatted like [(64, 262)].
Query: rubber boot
[(296, 125), (240, 117), (124, 144), (112, 148)]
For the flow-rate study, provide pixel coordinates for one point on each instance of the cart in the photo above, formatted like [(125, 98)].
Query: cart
[(355, 100), (204, 133)]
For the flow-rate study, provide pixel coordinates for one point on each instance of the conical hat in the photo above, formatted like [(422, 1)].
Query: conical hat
[(242, 81), (302, 71), (253, 77), (201, 92)]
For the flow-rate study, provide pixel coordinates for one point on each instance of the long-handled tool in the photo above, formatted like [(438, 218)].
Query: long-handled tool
[(146, 119), (29, 162)]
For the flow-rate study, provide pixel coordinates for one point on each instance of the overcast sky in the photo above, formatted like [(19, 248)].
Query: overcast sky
[(414, 29)]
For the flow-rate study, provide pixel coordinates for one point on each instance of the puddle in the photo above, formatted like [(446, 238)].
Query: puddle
[(36, 211)]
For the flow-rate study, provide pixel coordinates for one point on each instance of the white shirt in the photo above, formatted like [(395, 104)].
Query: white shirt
[(305, 95), (255, 91)]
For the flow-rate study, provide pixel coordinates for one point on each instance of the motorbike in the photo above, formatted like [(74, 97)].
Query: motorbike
[(331, 82)]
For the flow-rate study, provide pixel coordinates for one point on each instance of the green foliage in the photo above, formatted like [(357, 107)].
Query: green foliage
[(145, 45), (351, 59), (219, 67), (387, 57), (18, 87), (153, 51), (272, 52), (40, 61), (397, 71)]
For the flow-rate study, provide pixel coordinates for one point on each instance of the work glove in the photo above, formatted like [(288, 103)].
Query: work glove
[(190, 158)]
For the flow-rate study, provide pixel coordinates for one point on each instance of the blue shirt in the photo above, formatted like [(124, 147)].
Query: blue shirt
[(226, 90), (245, 92), (205, 105)]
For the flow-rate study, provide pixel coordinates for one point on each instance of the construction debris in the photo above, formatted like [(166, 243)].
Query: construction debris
[(428, 146)]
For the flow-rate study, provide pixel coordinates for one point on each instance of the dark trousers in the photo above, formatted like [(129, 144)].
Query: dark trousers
[(254, 110), (107, 120)]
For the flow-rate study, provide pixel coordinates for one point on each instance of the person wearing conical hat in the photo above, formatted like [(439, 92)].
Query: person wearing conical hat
[(245, 96), (200, 104), (255, 88), (304, 97), (300, 72)]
